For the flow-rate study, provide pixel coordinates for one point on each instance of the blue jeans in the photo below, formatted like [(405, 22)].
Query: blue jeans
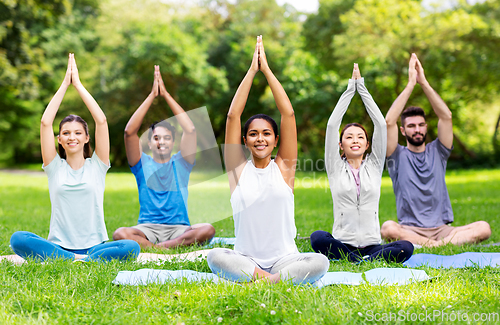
[(28, 245)]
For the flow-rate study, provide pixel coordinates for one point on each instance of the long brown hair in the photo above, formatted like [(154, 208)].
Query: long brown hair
[(348, 126), (86, 147)]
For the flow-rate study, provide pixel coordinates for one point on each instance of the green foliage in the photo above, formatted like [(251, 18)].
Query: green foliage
[(30, 33), (457, 47), (204, 50)]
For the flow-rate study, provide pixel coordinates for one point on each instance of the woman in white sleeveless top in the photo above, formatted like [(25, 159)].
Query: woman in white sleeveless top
[(262, 192)]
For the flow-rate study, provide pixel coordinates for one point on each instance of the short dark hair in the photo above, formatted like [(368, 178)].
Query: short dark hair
[(163, 124), (348, 126), (86, 147), (265, 117), (411, 111)]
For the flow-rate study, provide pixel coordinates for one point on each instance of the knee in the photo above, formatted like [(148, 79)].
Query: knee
[(318, 237), (214, 259), (323, 263), (484, 230), (390, 230), (132, 248), (407, 249), (18, 238), (121, 233), (207, 232)]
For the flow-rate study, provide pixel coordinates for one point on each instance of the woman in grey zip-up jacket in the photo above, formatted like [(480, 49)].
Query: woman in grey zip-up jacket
[(355, 185)]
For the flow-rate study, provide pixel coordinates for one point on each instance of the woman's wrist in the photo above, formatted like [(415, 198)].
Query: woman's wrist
[(251, 72), (267, 72)]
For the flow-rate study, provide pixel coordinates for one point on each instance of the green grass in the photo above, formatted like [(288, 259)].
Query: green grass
[(71, 293)]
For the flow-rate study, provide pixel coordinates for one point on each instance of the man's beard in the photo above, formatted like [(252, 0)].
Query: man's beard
[(414, 142)]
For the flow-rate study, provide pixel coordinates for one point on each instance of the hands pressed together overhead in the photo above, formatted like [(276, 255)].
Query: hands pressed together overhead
[(416, 71), (259, 61), (72, 76), (158, 84), (355, 72)]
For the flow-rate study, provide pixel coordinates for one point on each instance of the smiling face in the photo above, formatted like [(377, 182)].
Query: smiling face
[(354, 142), (73, 137), (161, 143), (415, 130), (260, 139)]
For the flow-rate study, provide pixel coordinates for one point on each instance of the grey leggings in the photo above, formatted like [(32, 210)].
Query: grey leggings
[(301, 267)]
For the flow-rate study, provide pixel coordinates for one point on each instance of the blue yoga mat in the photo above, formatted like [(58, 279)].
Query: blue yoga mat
[(147, 276), (222, 240), (379, 276), (468, 259)]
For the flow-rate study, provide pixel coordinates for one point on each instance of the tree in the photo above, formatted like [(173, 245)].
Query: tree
[(453, 45), (26, 70)]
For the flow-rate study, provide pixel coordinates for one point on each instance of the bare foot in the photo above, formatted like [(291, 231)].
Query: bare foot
[(16, 259)]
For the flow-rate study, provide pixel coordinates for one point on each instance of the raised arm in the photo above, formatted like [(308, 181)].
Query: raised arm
[(188, 139), (332, 156), (397, 107), (101, 124), (379, 139), (234, 158), (46, 125), (445, 124), (286, 158), (132, 140)]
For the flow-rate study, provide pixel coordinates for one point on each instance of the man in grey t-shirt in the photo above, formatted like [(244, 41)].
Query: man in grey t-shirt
[(418, 173)]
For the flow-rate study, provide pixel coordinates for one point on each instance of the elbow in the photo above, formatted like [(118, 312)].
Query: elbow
[(232, 115), (190, 130), (45, 123), (390, 122), (129, 132), (448, 116), (101, 121)]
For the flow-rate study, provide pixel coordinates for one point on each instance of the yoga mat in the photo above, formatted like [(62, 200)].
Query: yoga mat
[(147, 276), (467, 259), (379, 276), (222, 240)]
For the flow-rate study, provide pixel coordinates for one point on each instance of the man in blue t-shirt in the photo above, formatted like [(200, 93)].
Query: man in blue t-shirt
[(418, 173), (162, 180)]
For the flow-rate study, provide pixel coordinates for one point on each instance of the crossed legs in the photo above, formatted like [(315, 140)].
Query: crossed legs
[(300, 268), (471, 233), (198, 233)]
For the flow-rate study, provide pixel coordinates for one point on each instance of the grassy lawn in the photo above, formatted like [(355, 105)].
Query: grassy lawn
[(75, 293)]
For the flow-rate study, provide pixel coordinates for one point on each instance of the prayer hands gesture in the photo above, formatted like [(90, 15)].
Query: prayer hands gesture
[(158, 84), (259, 60), (71, 76), (356, 74), (156, 87), (416, 71)]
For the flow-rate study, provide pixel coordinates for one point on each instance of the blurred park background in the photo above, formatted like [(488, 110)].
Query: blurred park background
[(204, 49)]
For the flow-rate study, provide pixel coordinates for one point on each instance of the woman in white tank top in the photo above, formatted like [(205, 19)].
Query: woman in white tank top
[(262, 192)]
